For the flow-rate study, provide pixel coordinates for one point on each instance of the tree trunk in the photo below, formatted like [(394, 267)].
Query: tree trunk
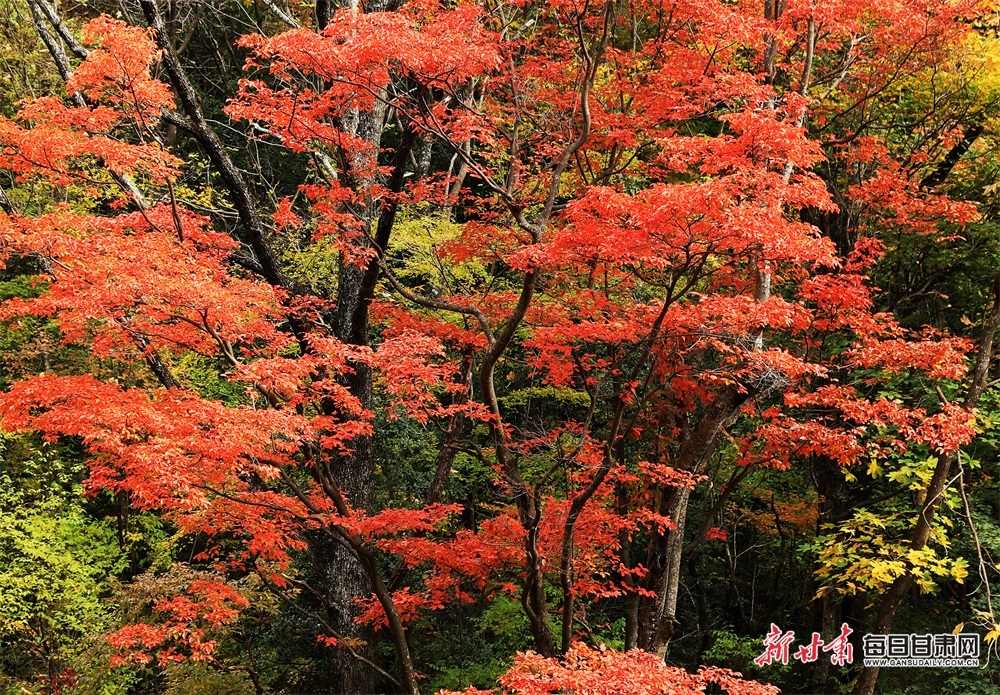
[(343, 581), (658, 617), (663, 623), (345, 577), (828, 629)]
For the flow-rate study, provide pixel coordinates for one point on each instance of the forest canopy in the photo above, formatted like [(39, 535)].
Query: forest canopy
[(509, 346)]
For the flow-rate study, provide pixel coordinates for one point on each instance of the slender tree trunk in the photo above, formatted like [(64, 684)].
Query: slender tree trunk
[(664, 621), (658, 617), (828, 481), (632, 598), (972, 133), (829, 619)]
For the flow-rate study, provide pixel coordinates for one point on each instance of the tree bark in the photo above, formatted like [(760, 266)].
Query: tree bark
[(664, 621), (658, 618), (346, 579), (940, 173)]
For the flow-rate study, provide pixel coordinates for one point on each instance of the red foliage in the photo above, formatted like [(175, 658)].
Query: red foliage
[(683, 254), (184, 620), (587, 671)]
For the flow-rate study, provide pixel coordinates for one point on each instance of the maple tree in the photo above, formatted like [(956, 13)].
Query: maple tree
[(584, 669), (633, 220)]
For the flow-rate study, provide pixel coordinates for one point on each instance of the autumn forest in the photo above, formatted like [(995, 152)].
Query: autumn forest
[(579, 347)]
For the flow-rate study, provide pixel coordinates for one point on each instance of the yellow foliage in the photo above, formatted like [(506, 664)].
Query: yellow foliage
[(419, 241)]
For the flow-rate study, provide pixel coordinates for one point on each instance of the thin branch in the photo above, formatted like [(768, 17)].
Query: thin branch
[(329, 628), (78, 49), (287, 19), (442, 305)]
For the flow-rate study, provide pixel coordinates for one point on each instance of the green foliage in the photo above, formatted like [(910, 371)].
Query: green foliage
[(406, 455), (189, 678), (26, 70), (560, 395), (943, 282), (483, 644), (313, 264), (55, 562), (506, 626), (736, 652), (204, 377), (420, 241)]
